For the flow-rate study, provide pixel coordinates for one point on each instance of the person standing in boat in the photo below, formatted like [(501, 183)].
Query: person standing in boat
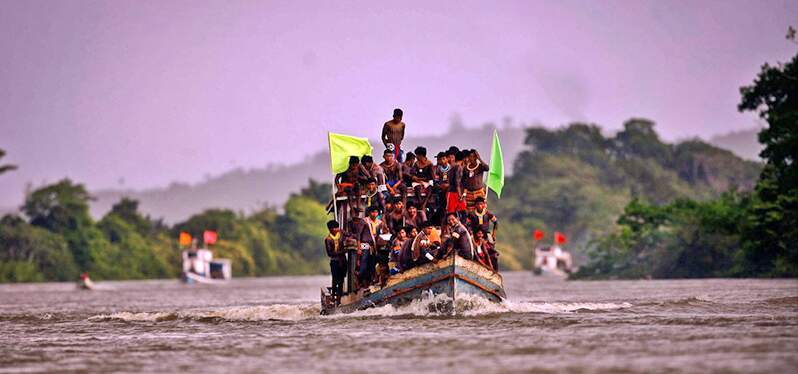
[(334, 246), (473, 175), (368, 245), (459, 239), (423, 176), (393, 133), (455, 197), (440, 187)]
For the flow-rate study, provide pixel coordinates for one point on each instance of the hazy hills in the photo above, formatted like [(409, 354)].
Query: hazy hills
[(743, 143), (248, 190)]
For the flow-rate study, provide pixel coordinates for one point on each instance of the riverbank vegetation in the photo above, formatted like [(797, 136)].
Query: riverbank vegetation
[(739, 234), (55, 238)]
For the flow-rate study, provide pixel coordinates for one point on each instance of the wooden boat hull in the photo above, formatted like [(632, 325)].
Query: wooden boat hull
[(454, 277)]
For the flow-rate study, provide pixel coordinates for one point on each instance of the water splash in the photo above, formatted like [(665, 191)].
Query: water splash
[(429, 306)]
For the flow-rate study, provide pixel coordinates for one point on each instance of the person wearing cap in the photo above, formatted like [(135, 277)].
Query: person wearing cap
[(393, 133), (334, 246)]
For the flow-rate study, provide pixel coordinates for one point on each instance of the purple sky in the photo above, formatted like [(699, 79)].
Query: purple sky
[(156, 91)]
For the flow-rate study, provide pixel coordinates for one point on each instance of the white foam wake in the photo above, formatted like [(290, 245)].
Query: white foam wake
[(425, 307)]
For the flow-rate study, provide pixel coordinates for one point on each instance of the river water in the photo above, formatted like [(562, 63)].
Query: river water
[(272, 325)]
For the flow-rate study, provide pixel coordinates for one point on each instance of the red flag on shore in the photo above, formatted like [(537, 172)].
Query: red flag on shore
[(559, 238), (538, 234), (184, 239), (209, 237)]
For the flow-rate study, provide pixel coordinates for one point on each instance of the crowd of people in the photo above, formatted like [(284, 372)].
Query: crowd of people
[(407, 211)]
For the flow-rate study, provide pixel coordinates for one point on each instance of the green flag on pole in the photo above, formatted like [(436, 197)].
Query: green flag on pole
[(344, 146), (496, 174)]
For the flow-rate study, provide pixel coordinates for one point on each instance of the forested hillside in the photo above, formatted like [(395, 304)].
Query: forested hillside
[(576, 180)]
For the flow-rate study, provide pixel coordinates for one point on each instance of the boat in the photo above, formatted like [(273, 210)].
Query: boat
[(199, 266), (85, 282), (554, 260), (454, 277)]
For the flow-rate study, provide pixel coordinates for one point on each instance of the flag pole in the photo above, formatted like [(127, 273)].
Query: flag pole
[(332, 185)]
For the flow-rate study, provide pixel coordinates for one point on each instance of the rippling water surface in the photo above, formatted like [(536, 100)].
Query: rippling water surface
[(272, 324)]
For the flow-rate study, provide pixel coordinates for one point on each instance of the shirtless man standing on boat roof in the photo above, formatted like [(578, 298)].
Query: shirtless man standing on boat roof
[(393, 132)]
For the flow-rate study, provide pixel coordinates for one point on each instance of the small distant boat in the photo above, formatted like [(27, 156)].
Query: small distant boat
[(85, 282), (552, 259), (455, 277), (199, 266)]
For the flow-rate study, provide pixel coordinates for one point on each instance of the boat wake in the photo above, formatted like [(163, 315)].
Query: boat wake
[(437, 306)]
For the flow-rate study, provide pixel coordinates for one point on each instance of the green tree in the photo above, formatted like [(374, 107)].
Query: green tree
[(772, 241), (62, 208), (302, 229), (29, 253)]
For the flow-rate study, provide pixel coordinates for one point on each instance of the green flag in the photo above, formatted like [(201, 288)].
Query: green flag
[(343, 146), (496, 173)]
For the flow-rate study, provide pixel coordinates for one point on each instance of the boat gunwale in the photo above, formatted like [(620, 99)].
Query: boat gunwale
[(455, 269)]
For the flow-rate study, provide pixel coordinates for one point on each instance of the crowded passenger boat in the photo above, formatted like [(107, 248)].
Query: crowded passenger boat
[(410, 226)]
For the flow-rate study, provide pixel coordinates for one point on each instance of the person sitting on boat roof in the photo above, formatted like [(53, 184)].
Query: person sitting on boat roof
[(347, 180), (422, 177), (374, 170), (392, 171), (481, 218), (334, 246), (393, 132), (473, 175), (459, 240)]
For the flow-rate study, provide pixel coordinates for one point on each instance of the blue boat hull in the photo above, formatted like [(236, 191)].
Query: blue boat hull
[(455, 277)]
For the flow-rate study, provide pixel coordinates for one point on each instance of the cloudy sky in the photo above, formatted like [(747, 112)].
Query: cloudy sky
[(141, 93)]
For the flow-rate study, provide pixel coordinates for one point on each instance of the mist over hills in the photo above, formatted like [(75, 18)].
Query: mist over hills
[(249, 190), (743, 143)]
